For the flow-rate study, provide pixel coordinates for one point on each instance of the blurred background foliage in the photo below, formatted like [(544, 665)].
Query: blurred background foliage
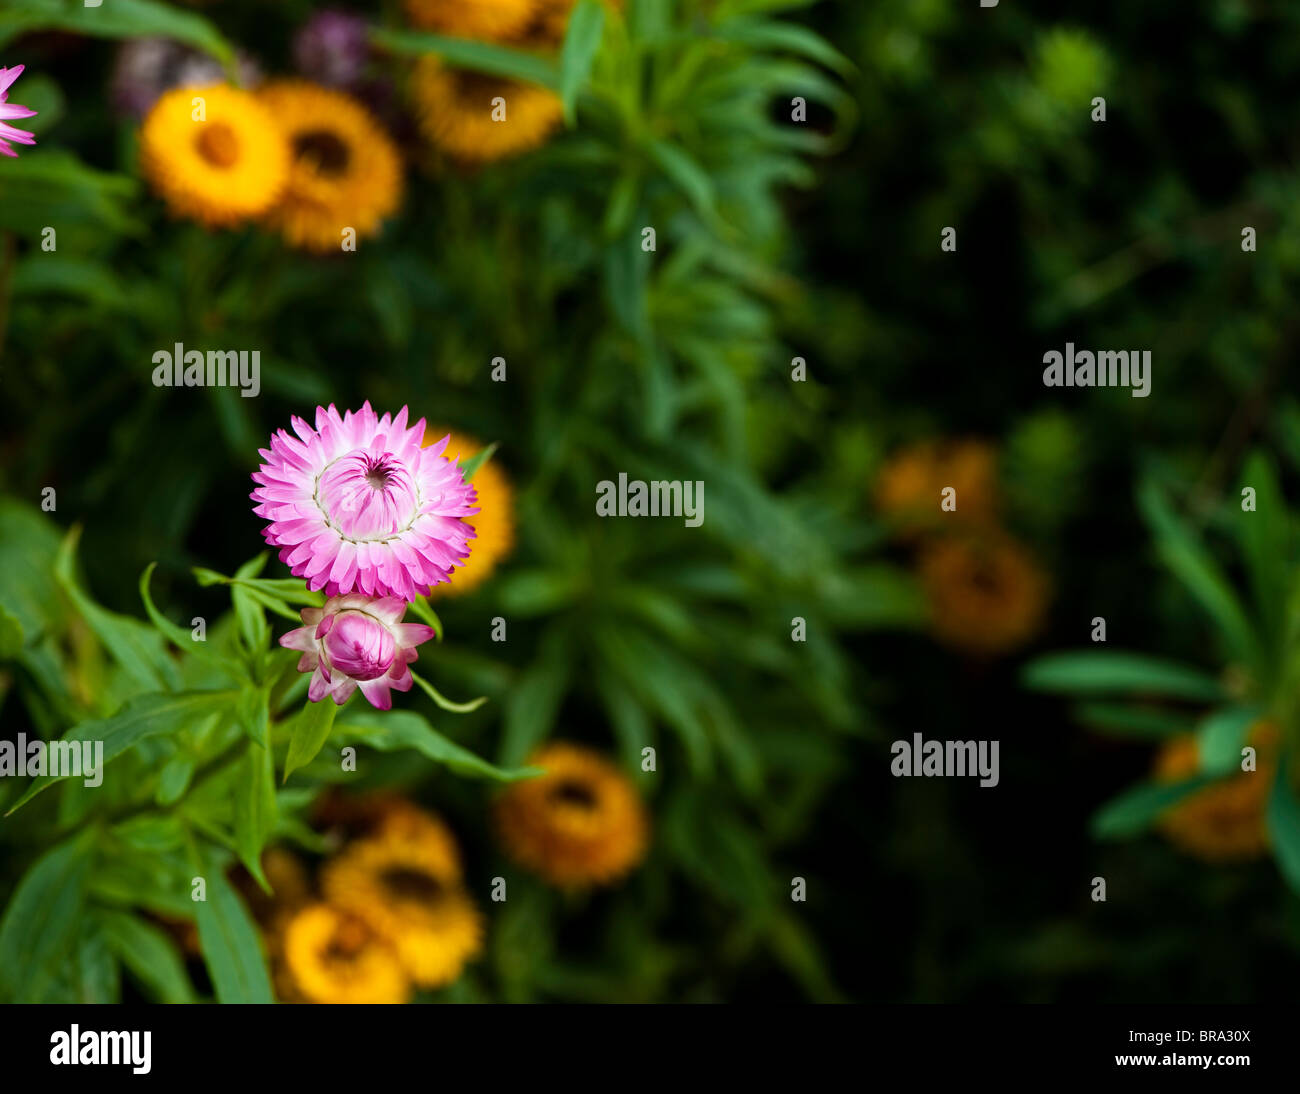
[(776, 240)]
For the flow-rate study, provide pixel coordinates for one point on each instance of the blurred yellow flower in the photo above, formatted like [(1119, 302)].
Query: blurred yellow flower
[(582, 822), (214, 154), (410, 892), (493, 524), (987, 595), (344, 173), (909, 488), (333, 957), (1225, 822), (480, 118), (491, 19)]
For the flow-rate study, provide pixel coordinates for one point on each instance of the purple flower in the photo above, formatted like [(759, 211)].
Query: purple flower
[(331, 48), (10, 110), (146, 67), (357, 641)]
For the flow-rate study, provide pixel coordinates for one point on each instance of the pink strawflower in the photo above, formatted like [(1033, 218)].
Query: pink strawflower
[(10, 110), (357, 641), (356, 505)]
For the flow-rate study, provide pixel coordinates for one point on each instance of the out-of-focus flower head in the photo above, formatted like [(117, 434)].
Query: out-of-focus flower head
[(454, 111), (408, 889), (357, 641), (1226, 821), (215, 154), (344, 172), (331, 48), (358, 505), (494, 20), (494, 526), (10, 111), (146, 67), (579, 823), (330, 956)]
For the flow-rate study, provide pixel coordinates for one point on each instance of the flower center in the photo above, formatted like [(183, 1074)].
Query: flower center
[(367, 497), (573, 792), (407, 884), (218, 145), (323, 151)]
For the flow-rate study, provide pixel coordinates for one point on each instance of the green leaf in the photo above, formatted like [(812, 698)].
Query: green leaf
[(393, 730), (29, 542), (133, 644), (1192, 564), (445, 703), (1284, 827), (467, 53), (149, 955), (1098, 672), (1141, 723), (470, 466), (253, 709), (309, 731), (1266, 543), (534, 702), (114, 19), (139, 719), (1220, 738), (99, 979), (178, 636), (1135, 809), (769, 34), (41, 922), (255, 809), (692, 179), (11, 635), (581, 43), (230, 943), (290, 589)]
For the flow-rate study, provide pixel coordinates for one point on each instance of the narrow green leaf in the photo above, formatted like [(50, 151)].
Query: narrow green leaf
[(115, 19), (230, 944), (1220, 737), (11, 635), (141, 718), (133, 644), (1141, 723), (255, 809), (1284, 826), (393, 730), (178, 636), (581, 43), (470, 467), (309, 731), (1134, 810), (253, 709), (149, 955), (41, 921), (1186, 557), (1098, 672), (467, 53)]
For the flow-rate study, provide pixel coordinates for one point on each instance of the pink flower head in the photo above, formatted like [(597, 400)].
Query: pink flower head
[(357, 641), (356, 505), (10, 110)]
